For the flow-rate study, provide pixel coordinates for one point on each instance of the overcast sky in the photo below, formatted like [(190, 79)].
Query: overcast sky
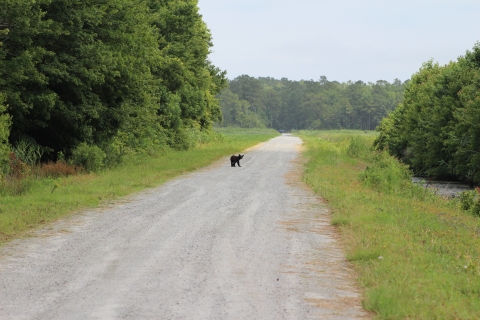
[(344, 40)]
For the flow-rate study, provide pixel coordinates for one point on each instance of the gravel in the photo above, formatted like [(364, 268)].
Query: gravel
[(221, 243)]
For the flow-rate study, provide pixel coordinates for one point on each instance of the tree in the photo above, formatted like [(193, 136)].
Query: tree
[(92, 72), (237, 112), (323, 104), (187, 81), (436, 128), (4, 133), (81, 70)]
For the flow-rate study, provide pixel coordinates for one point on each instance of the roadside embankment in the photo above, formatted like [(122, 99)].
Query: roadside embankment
[(417, 254)]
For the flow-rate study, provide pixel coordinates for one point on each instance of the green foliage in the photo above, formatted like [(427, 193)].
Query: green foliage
[(470, 202), (435, 130), (30, 153), (90, 157), (121, 74), (467, 199), (390, 137), (358, 147), (5, 121), (237, 112), (323, 104), (475, 209), (386, 174)]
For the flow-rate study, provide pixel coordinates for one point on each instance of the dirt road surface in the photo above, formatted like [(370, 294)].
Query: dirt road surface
[(220, 243)]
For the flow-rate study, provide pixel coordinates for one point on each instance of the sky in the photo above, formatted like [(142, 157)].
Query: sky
[(366, 40)]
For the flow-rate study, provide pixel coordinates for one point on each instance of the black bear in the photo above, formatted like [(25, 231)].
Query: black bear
[(236, 159)]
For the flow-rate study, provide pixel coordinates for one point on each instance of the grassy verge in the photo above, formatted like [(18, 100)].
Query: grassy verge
[(417, 255), (50, 199)]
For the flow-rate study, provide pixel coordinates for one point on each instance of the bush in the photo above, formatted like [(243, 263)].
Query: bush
[(90, 157), (30, 153), (467, 199), (475, 209), (387, 174), (357, 148), (18, 168), (191, 135)]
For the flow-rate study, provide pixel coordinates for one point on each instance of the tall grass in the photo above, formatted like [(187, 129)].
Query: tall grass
[(50, 197), (417, 255)]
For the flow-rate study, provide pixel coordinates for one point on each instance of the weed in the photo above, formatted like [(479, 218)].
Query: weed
[(365, 255), (90, 157), (28, 153), (18, 168), (340, 221), (12, 186)]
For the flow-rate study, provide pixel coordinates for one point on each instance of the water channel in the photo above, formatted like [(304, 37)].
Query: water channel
[(443, 188)]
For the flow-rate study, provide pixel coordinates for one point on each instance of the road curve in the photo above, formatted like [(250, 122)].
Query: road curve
[(220, 243)]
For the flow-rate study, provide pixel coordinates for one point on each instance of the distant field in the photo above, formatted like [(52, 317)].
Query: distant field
[(50, 199), (417, 255)]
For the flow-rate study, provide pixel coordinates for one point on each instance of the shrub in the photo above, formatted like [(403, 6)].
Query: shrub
[(467, 199), (183, 138), (475, 209), (210, 136), (386, 174), (18, 168), (115, 151), (357, 148), (30, 153), (90, 157)]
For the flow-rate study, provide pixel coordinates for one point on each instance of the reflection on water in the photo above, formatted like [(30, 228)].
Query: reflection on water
[(444, 188)]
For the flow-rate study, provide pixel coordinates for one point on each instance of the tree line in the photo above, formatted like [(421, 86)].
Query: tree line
[(323, 104), (116, 75), (436, 128)]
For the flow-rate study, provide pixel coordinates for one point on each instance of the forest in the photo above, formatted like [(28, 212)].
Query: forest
[(94, 82), (319, 105), (104, 78), (435, 129)]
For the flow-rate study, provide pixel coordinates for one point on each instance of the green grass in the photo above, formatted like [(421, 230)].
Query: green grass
[(416, 255), (50, 199)]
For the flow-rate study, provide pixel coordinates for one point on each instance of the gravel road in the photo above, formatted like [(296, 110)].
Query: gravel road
[(220, 243)]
